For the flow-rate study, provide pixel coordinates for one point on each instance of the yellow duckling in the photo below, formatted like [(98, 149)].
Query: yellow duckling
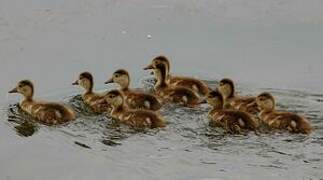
[(44, 112), (227, 89), (234, 121), (194, 84), (278, 119), (177, 94), (134, 99), (137, 118), (94, 100)]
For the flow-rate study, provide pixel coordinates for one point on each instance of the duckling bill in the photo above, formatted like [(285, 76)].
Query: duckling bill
[(279, 119), (136, 118), (233, 121), (47, 113), (134, 99)]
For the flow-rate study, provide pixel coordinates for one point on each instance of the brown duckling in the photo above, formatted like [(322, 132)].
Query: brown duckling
[(177, 94), (279, 119), (94, 100), (45, 112), (134, 99), (233, 121), (227, 89), (194, 84), (137, 118)]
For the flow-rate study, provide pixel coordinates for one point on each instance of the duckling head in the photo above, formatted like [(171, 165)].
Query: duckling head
[(215, 99), (160, 68), (24, 87), (226, 88), (266, 101), (160, 59), (120, 77), (115, 98), (85, 80)]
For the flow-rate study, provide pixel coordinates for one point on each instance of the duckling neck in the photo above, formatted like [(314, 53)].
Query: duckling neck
[(268, 110), (231, 94), (125, 85), (119, 109), (89, 90), (28, 97), (161, 78), (217, 107)]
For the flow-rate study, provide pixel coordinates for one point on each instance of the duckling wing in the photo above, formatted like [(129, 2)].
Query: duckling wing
[(54, 113), (144, 119), (184, 96), (191, 83), (294, 122), (98, 103), (143, 101), (243, 118)]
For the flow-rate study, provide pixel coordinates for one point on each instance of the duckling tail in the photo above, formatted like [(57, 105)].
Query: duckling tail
[(155, 105), (158, 123), (300, 124)]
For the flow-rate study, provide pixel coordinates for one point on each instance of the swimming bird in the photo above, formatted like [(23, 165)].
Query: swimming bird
[(280, 119), (94, 100), (227, 89), (136, 118), (233, 121), (47, 113), (134, 99), (176, 94), (196, 85)]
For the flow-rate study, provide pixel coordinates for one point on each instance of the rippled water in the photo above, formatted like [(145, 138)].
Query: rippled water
[(273, 46), (187, 148)]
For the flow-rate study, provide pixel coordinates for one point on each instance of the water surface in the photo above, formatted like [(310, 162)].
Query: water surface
[(264, 46)]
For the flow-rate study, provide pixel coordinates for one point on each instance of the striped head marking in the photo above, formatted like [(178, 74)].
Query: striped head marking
[(226, 88), (24, 87), (265, 101)]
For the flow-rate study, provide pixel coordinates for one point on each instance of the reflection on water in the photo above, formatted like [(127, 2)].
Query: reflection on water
[(22, 122), (188, 132)]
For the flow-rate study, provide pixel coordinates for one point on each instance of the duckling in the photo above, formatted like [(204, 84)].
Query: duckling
[(194, 84), (247, 104), (134, 99), (136, 118), (233, 121), (94, 100), (47, 113), (279, 119), (177, 94)]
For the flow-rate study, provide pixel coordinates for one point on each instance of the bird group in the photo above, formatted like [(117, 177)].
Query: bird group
[(139, 109)]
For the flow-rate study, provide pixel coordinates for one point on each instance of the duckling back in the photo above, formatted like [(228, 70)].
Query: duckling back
[(296, 123), (49, 113), (136, 100), (54, 113), (180, 95), (143, 119), (193, 84), (232, 121)]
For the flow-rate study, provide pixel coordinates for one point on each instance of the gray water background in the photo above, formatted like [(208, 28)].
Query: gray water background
[(275, 46)]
